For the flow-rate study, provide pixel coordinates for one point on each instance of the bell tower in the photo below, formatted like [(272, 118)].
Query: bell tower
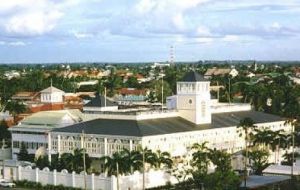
[(193, 98)]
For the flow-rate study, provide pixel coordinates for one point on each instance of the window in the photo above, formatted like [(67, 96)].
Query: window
[(190, 101)]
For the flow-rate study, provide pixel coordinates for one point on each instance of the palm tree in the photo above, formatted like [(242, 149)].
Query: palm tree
[(164, 158), (247, 125), (262, 137), (200, 158), (67, 161), (15, 108), (112, 165), (148, 157), (132, 160)]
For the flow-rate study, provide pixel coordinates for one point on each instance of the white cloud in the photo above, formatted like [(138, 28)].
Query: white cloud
[(179, 21), (205, 40), (275, 25), (13, 43), (35, 23), (230, 38), (203, 31), (80, 35), (31, 17)]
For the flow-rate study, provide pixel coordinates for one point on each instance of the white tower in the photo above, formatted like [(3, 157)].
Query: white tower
[(193, 98)]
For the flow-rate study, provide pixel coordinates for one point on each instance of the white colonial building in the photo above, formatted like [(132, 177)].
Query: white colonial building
[(195, 119), (34, 130)]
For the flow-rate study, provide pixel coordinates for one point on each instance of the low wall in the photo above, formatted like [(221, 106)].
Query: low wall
[(93, 182), (64, 178)]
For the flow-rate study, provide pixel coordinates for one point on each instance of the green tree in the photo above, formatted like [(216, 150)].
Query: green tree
[(15, 107), (4, 133), (247, 127), (200, 160), (42, 162), (259, 160), (113, 165), (221, 159), (164, 159), (23, 154), (289, 157)]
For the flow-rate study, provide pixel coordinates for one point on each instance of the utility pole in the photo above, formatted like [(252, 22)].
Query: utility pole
[(229, 93), (84, 165), (293, 150), (246, 159), (143, 169), (104, 96), (162, 92)]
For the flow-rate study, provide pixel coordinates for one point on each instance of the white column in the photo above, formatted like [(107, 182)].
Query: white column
[(113, 183), (49, 147), (105, 147), (37, 175), (81, 142), (93, 181), (130, 145), (58, 145), (73, 179), (19, 173), (54, 177)]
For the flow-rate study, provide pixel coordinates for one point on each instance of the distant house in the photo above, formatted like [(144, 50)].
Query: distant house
[(52, 95), (250, 75), (131, 95), (26, 96), (12, 74), (160, 65), (100, 104), (220, 72), (73, 101)]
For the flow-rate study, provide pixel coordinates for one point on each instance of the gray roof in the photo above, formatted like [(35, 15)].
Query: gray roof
[(160, 126), (99, 101), (193, 76)]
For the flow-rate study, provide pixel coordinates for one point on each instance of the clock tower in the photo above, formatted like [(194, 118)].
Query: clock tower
[(193, 98)]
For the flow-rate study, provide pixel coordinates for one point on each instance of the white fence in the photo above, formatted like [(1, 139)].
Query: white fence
[(93, 182)]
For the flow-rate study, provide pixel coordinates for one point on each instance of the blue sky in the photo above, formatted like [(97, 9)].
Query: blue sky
[(144, 30)]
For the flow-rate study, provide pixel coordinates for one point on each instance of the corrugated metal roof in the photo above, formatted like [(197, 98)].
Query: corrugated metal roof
[(150, 127), (50, 118)]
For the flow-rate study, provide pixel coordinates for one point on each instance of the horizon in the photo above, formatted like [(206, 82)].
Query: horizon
[(144, 30)]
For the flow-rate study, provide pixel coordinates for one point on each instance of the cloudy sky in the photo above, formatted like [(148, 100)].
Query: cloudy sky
[(144, 30)]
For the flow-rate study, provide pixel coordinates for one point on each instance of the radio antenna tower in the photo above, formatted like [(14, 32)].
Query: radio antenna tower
[(172, 55)]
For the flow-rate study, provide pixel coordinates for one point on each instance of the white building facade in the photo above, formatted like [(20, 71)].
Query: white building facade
[(196, 119)]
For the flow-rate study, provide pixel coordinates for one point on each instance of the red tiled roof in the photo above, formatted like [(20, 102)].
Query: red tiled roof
[(132, 91)]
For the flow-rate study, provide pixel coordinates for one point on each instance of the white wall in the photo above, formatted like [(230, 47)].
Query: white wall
[(134, 182)]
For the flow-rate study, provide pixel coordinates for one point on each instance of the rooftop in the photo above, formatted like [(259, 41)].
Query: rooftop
[(49, 118), (162, 126), (99, 101), (51, 89), (193, 76)]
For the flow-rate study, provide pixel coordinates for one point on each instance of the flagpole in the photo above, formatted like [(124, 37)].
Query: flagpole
[(104, 96), (162, 91), (84, 165)]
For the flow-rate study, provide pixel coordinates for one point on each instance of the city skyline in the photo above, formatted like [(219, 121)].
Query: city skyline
[(144, 30)]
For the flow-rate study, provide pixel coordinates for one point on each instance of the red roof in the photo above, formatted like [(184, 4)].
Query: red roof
[(132, 91)]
